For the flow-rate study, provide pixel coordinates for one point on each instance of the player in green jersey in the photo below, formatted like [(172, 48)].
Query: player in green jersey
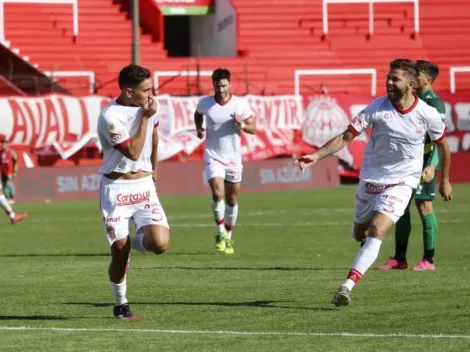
[(425, 192)]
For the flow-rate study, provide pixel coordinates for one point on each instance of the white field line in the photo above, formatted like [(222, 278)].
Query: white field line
[(239, 333), (260, 213)]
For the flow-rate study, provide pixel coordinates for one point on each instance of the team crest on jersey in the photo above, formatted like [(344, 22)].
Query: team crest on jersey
[(325, 119), (419, 124), (111, 128)]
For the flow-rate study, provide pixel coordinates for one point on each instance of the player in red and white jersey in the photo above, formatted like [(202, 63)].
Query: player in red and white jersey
[(127, 129), (392, 163), (226, 117), (8, 169)]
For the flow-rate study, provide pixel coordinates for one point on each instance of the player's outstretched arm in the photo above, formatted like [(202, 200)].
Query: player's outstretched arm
[(445, 188), (332, 146), (133, 149), (154, 156), (198, 121)]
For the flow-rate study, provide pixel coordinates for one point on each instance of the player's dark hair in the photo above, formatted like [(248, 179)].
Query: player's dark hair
[(219, 74), (428, 68), (406, 65), (132, 75)]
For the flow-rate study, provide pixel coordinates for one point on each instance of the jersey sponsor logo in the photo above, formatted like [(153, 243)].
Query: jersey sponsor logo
[(133, 198), (377, 189), (111, 219), (118, 137), (391, 198), (356, 123)]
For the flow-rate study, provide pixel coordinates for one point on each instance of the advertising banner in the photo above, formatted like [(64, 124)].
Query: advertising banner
[(79, 183)]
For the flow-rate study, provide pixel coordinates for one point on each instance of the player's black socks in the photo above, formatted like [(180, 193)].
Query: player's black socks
[(400, 252), (429, 255)]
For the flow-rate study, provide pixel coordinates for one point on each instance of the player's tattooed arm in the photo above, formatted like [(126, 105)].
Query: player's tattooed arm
[(331, 147), (335, 144), (154, 156)]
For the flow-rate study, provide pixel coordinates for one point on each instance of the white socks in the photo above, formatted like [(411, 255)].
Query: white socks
[(364, 260), (4, 204), (231, 214), (119, 293), (218, 208), (137, 241)]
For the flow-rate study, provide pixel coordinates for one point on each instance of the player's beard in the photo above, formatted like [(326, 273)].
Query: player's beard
[(395, 94), (221, 96)]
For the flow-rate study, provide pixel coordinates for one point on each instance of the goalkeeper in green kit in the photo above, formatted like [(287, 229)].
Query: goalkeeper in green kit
[(425, 192)]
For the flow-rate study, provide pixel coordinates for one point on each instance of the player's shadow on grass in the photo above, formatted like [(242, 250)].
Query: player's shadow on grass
[(93, 254), (31, 317), (55, 255), (257, 304), (274, 268)]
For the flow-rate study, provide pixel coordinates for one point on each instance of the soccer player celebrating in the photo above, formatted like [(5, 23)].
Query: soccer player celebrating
[(8, 168), (426, 190), (226, 117), (392, 163), (128, 133)]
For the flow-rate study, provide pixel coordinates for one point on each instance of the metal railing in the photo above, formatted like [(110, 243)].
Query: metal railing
[(345, 71), (89, 74), (452, 71), (371, 11)]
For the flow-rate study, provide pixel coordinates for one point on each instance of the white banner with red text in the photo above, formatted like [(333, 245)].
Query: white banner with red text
[(62, 125)]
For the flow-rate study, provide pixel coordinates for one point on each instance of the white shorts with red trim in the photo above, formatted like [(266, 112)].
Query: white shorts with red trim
[(122, 200), (230, 171), (390, 200)]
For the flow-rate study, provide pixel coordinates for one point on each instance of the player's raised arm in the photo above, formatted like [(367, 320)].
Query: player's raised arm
[(132, 147), (154, 156)]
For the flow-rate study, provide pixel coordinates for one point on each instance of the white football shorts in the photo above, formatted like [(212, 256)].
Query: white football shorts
[(390, 200), (122, 200), (230, 171)]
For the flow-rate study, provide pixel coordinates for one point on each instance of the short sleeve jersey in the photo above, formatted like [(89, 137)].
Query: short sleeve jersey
[(117, 124), (394, 153), (223, 141)]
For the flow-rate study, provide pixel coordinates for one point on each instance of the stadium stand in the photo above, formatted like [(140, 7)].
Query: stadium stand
[(273, 41)]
